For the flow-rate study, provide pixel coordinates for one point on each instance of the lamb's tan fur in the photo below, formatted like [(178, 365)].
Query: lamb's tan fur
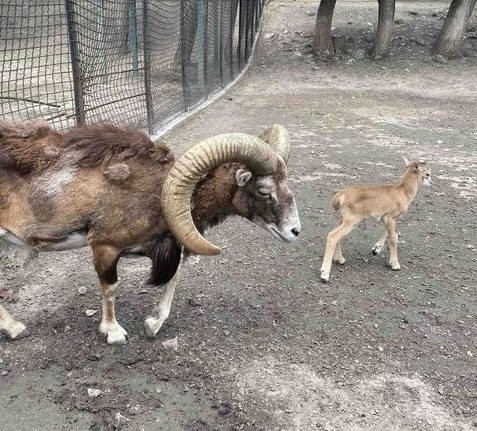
[(384, 202)]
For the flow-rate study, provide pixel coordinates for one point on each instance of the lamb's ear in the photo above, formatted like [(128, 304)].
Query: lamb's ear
[(406, 161), (242, 177)]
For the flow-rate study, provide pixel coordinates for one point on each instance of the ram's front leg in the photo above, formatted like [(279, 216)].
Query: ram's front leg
[(12, 327), (105, 262), (161, 311)]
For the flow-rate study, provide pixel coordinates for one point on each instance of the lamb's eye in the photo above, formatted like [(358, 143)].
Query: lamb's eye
[(263, 193)]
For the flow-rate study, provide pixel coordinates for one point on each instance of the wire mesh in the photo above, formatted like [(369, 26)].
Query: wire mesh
[(136, 62)]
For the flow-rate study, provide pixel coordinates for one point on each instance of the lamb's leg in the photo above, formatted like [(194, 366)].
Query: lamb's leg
[(12, 327), (338, 256), (378, 247), (393, 240), (334, 237), (161, 311), (105, 262)]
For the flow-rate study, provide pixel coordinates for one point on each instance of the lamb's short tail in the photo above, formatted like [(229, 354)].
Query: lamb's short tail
[(337, 201)]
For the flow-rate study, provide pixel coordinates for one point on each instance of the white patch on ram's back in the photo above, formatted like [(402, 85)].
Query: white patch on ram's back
[(54, 182)]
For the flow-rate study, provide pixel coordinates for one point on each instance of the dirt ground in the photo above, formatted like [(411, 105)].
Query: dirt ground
[(263, 345)]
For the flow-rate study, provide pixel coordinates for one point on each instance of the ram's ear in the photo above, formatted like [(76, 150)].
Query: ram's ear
[(242, 176), (406, 161)]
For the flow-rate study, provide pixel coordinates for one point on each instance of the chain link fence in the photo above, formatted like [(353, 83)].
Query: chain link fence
[(136, 62)]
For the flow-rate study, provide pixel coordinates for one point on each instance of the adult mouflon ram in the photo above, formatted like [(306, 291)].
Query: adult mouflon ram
[(120, 193)]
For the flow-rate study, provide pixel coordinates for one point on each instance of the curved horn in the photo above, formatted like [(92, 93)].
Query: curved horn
[(279, 139), (189, 169)]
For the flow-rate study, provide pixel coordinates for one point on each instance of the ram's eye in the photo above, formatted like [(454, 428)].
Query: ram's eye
[(263, 193)]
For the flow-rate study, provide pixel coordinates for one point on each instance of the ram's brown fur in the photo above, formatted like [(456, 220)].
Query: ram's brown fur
[(101, 186)]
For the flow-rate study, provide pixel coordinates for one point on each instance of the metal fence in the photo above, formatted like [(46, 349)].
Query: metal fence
[(136, 62)]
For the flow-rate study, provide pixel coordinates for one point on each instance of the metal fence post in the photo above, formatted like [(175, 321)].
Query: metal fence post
[(247, 30), (220, 42), (75, 63), (205, 41), (147, 69), (133, 34), (185, 83)]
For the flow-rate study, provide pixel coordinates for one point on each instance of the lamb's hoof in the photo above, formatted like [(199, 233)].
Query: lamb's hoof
[(151, 326), (340, 260), (116, 334), (325, 277), (395, 267), (376, 250), (17, 331)]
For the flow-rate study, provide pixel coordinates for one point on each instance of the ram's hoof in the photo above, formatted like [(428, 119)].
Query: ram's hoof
[(151, 326), (18, 330), (116, 334)]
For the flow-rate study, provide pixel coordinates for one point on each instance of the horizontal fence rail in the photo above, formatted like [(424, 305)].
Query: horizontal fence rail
[(137, 62)]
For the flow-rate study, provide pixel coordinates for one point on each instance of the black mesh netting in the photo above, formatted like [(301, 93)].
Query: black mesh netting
[(136, 62)]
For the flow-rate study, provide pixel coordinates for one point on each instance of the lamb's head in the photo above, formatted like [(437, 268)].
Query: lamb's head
[(263, 195), (421, 169)]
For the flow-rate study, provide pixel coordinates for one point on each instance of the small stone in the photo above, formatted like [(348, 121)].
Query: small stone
[(120, 420), (4, 373), (94, 393), (67, 328), (134, 410), (82, 290), (226, 333), (269, 35), (90, 312), (170, 344), (380, 348)]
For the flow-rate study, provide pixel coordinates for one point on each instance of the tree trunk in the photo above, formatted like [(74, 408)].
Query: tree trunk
[(323, 42), (385, 28), (449, 40)]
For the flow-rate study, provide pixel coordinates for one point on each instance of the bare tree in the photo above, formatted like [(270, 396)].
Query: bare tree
[(385, 28), (449, 40), (323, 41)]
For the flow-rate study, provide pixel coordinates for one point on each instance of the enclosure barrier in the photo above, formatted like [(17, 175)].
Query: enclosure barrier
[(136, 62)]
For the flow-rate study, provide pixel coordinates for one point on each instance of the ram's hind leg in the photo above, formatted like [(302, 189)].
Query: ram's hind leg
[(105, 262), (12, 327)]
